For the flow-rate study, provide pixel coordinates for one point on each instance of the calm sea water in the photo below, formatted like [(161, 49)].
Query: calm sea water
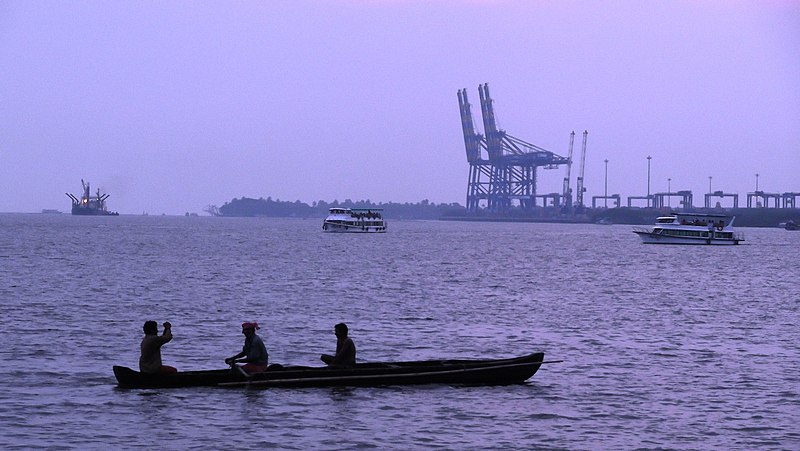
[(663, 346)]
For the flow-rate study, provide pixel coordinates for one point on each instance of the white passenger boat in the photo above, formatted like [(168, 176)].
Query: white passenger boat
[(355, 220), (691, 228)]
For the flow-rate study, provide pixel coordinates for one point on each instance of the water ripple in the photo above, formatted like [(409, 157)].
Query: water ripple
[(664, 347)]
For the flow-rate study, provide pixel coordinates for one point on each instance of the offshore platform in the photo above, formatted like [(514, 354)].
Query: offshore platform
[(506, 178), (89, 205)]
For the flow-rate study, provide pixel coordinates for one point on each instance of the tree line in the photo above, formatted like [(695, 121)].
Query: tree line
[(248, 207)]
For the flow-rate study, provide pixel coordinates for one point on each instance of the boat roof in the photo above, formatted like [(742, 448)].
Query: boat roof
[(702, 215)]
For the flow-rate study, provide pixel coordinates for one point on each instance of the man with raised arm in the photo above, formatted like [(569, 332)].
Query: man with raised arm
[(150, 358)]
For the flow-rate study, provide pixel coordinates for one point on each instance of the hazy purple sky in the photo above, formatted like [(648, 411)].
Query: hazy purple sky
[(171, 106)]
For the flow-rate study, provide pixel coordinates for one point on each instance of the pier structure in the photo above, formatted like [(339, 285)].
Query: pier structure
[(760, 196), (507, 175), (648, 198), (720, 195), (555, 199), (789, 200), (685, 199), (615, 198)]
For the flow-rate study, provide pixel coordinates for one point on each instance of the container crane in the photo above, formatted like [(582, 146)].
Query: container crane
[(508, 175)]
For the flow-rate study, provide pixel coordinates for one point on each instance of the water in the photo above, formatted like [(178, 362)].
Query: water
[(663, 346)]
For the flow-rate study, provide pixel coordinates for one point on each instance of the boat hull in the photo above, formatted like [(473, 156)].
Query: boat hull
[(648, 237), (709, 229), (333, 227), (84, 211), (470, 372)]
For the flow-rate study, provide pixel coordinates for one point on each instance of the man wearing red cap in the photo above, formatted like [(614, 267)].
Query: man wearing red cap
[(254, 353)]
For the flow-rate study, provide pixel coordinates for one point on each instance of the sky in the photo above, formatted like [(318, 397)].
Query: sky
[(173, 106)]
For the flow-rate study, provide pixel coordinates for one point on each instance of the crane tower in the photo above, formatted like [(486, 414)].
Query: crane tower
[(566, 189), (581, 188)]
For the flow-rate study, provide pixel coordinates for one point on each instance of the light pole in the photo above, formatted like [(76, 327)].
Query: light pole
[(669, 192), (709, 184), (756, 182), (648, 181), (606, 189)]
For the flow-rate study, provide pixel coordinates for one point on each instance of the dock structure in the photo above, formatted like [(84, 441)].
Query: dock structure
[(506, 176), (614, 198), (686, 199), (756, 199), (720, 195), (789, 200), (648, 198), (760, 196), (503, 173)]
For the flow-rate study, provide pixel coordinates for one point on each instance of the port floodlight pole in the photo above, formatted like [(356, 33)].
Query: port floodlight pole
[(709, 184), (648, 181), (756, 182), (669, 192), (605, 194)]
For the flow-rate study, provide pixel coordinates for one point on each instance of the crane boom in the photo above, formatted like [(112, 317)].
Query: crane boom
[(471, 139), (494, 137)]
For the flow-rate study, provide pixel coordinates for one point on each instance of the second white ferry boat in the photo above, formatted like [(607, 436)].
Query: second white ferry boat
[(691, 228), (355, 220)]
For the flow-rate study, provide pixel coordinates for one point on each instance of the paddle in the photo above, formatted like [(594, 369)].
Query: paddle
[(241, 371)]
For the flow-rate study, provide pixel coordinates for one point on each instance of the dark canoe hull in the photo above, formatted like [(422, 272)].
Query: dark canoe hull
[(470, 372)]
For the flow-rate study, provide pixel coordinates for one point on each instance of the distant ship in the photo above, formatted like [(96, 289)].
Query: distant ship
[(691, 228), (357, 220), (89, 205)]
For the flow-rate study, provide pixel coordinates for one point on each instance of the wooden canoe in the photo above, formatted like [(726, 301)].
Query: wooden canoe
[(470, 372)]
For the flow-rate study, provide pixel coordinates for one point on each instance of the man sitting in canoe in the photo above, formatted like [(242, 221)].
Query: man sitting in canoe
[(150, 359), (254, 352), (345, 348)]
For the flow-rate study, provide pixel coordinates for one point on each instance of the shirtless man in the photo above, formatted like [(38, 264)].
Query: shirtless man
[(345, 348)]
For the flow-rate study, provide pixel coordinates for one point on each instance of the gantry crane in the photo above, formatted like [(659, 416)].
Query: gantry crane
[(511, 164)]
